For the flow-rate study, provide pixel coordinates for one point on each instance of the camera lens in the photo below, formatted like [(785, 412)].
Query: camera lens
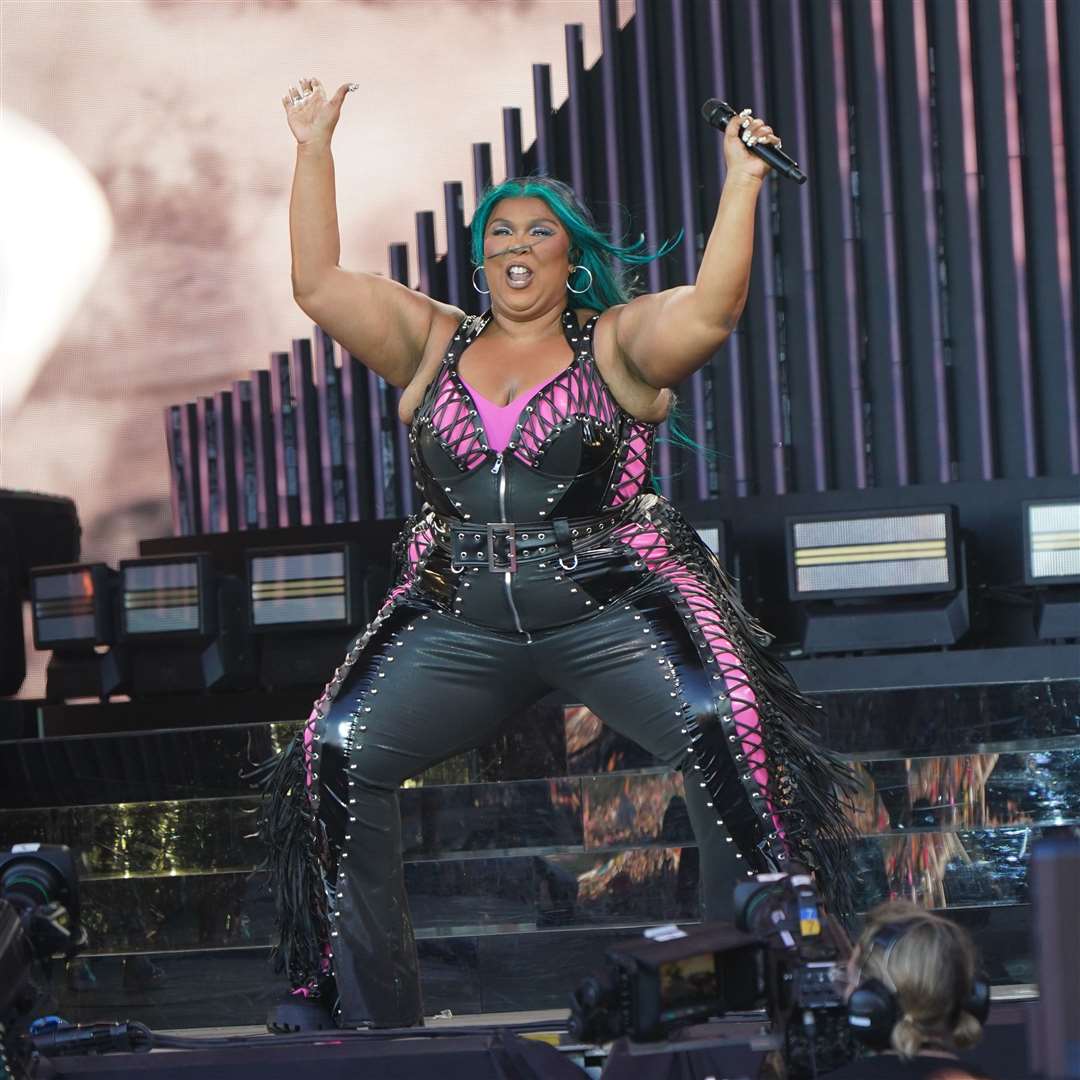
[(26, 883)]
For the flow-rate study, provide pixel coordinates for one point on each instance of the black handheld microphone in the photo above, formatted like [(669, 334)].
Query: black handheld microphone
[(719, 113)]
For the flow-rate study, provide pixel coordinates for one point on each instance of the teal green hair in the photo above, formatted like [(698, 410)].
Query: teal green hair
[(611, 284), (591, 248)]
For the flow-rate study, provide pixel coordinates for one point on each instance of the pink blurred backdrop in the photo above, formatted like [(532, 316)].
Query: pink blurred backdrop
[(173, 109)]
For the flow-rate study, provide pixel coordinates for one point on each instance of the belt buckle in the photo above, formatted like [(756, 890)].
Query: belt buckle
[(503, 528)]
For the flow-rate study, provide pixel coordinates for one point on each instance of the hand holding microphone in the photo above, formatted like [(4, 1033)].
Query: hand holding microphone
[(759, 139)]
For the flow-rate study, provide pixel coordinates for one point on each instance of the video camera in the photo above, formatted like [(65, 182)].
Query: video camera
[(39, 919), (783, 954)]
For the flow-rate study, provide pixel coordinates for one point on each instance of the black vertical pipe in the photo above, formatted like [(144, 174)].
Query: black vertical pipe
[(228, 508), (575, 105), (997, 125), (611, 92), (309, 477), (458, 290), (425, 252), (644, 49), (482, 174), (399, 262), (244, 475), (685, 111), (331, 428), (1046, 235), (1058, 100), (1022, 358), (208, 453), (850, 297), (813, 378), (771, 300), (545, 130), (962, 241), (742, 477), (912, 114), (284, 420), (512, 155), (1066, 27), (888, 275), (266, 468)]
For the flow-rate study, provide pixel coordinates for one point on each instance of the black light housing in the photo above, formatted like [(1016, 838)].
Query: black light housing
[(293, 587), (1052, 565), (872, 553), (185, 626), (878, 580), (167, 597), (74, 614), (72, 605), (1051, 541), (304, 604)]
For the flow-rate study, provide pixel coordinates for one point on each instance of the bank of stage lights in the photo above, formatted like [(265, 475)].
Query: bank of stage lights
[(878, 580), (172, 624), (866, 581)]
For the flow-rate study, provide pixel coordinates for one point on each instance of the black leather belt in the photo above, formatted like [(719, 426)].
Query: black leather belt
[(501, 545)]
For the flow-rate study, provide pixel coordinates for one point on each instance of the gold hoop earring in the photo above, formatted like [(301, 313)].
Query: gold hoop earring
[(477, 287)]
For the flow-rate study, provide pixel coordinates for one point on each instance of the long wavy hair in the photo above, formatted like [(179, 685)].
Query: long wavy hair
[(611, 283), (930, 971)]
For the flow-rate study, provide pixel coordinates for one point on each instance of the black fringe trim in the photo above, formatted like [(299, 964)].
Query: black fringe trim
[(296, 853), (810, 786)]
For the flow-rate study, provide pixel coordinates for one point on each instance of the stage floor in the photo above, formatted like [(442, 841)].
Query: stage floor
[(1000, 995)]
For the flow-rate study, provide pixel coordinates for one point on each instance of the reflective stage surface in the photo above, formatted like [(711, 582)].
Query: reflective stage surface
[(527, 859)]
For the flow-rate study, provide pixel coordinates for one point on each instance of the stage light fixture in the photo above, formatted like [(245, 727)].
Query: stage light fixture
[(304, 603), (1052, 565), (871, 580), (167, 597), (1052, 542), (871, 553), (73, 614), (716, 535), (185, 626), (302, 586), (72, 605)]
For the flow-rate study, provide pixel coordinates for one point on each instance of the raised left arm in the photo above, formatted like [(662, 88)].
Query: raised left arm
[(664, 337)]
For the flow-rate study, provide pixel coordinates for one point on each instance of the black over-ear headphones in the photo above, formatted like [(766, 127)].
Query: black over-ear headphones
[(873, 1010)]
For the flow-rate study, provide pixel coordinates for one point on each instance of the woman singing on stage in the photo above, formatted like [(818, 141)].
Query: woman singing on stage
[(540, 559)]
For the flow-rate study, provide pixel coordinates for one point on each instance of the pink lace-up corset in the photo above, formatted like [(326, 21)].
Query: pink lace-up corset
[(567, 446)]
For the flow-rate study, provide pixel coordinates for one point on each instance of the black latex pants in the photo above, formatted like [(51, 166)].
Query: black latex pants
[(428, 686)]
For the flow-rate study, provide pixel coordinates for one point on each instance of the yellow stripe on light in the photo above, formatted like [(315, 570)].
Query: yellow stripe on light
[(870, 553), (148, 598), (64, 605), (261, 589)]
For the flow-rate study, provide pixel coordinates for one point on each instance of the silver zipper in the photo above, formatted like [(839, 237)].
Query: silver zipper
[(497, 468)]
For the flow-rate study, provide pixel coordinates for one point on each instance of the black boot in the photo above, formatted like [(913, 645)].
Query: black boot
[(296, 1012)]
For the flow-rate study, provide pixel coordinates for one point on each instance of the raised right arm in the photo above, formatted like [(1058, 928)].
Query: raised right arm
[(383, 324)]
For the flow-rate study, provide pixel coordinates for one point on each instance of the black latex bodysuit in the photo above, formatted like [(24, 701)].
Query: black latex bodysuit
[(549, 565)]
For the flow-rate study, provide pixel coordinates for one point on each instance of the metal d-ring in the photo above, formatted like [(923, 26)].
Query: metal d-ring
[(572, 566), (457, 569)]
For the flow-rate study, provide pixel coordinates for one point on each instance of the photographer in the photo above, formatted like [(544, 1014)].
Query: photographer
[(911, 988)]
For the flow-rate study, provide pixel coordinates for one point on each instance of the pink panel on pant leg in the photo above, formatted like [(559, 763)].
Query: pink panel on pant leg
[(309, 731), (653, 550)]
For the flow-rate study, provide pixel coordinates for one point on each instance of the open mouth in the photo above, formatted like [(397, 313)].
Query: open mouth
[(518, 275)]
